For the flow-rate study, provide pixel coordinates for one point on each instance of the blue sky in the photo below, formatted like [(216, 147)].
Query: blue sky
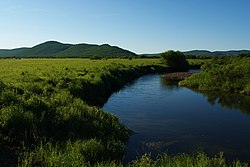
[(142, 26)]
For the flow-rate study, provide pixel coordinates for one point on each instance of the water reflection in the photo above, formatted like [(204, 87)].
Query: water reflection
[(228, 100), (171, 85), (168, 118)]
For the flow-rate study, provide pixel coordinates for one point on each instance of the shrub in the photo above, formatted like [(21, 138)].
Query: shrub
[(174, 59)]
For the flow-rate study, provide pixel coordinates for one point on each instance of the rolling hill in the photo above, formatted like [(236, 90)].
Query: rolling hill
[(57, 49), (216, 53), (208, 53)]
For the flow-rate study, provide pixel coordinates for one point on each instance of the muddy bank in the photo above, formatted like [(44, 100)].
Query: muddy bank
[(177, 76)]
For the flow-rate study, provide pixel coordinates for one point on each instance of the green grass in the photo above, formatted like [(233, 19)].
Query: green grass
[(48, 101), (47, 117), (72, 156), (223, 74), (199, 159), (12, 69), (197, 62)]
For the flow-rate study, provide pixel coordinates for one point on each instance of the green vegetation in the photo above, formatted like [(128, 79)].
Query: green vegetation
[(45, 112), (184, 160), (57, 49), (174, 59), (197, 62), (47, 117), (70, 156), (225, 74)]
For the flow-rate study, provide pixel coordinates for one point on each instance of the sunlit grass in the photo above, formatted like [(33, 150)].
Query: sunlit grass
[(46, 119), (224, 74), (45, 101)]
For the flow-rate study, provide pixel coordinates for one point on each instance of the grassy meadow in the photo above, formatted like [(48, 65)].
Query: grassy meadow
[(49, 114), (13, 70), (46, 109)]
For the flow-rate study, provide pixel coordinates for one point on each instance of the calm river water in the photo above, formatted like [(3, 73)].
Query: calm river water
[(173, 119)]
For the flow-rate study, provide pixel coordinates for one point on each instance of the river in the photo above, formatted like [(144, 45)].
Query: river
[(173, 119)]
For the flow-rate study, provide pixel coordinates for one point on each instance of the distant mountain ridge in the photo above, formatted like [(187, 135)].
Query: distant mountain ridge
[(208, 53), (216, 53), (57, 49)]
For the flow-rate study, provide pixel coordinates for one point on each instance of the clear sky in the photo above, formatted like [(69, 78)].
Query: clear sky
[(142, 26)]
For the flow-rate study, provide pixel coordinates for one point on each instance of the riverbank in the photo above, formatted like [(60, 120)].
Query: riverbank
[(97, 93), (228, 74), (48, 109), (177, 76)]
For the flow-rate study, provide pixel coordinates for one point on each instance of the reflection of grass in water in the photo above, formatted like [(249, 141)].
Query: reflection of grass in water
[(170, 85), (228, 100), (157, 145)]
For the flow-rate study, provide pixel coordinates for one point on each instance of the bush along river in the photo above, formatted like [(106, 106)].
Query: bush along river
[(173, 119)]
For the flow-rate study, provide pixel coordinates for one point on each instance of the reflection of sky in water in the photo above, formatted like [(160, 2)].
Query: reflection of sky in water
[(174, 119)]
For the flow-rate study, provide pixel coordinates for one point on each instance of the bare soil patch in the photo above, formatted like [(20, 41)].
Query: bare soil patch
[(177, 76)]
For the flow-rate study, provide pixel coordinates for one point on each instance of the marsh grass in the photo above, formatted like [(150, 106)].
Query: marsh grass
[(225, 74), (72, 156), (199, 159)]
